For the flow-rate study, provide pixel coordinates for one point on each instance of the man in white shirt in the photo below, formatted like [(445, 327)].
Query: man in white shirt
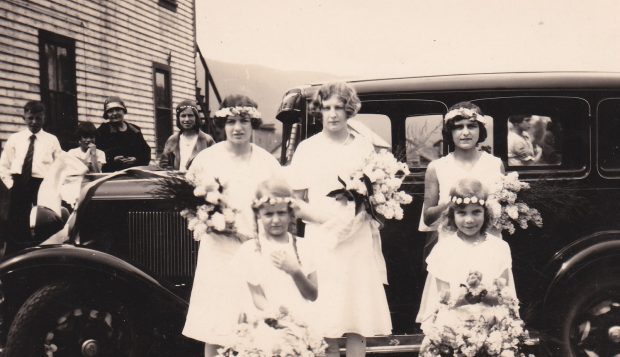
[(26, 157)]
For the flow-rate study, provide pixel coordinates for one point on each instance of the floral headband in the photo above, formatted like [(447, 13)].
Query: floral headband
[(250, 112), (467, 200), (259, 202), (464, 113)]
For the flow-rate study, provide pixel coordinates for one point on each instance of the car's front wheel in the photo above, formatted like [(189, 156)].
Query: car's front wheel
[(62, 319), (588, 324)]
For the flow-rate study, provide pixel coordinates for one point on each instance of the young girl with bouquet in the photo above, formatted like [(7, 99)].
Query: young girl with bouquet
[(466, 247)]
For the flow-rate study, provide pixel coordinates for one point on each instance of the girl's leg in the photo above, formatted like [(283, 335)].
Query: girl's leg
[(356, 345), (332, 348), (211, 350)]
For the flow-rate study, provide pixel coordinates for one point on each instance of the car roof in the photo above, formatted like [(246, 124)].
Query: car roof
[(485, 81)]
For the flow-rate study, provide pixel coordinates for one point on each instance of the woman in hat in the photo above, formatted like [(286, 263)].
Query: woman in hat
[(122, 142), (181, 148)]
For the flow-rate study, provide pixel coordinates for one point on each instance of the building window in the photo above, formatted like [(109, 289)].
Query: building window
[(168, 4), (163, 104), (58, 85)]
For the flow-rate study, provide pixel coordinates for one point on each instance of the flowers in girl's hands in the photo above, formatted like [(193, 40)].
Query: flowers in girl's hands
[(480, 322), (375, 186), (507, 210), (202, 201), (276, 333)]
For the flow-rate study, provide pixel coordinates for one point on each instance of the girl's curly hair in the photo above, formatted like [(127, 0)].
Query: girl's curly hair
[(344, 91)]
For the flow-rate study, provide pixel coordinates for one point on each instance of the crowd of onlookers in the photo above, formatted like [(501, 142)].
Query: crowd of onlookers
[(115, 145)]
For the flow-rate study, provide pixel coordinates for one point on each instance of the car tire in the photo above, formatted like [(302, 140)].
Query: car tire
[(587, 323), (62, 319)]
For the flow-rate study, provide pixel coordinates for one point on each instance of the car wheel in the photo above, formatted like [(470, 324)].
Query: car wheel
[(589, 322), (61, 319)]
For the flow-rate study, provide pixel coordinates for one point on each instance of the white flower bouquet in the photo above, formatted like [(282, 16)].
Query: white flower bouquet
[(479, 322), (277, 334), (375, 186), (202, 201), (507, 209)]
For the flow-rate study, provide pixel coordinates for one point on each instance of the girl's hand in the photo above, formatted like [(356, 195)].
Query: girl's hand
[(284, 261)]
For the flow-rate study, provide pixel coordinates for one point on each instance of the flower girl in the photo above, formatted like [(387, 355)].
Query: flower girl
[(278, 267), (466, 248)]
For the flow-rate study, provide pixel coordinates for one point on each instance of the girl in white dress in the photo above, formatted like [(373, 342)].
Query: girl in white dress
[(466, 247), (464, 128), (217, 294), (279, 268), (351, 270)]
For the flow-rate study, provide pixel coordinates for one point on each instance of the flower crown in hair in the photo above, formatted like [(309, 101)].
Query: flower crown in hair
[(259, 202), (467, 200), (180, 109), (465, 113), (250, 112)]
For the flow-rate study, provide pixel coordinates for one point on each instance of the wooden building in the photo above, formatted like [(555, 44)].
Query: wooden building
[(71, 54)]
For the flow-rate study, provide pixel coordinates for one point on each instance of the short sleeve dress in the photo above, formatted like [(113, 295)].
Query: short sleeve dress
[(488, 170), (217, 294), (253, 262), (351, 272), (452, 259)]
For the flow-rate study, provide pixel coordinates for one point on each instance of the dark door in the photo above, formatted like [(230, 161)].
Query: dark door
[(58, 87)]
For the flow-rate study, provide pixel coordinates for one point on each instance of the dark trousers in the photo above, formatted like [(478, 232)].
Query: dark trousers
[(23, 196)]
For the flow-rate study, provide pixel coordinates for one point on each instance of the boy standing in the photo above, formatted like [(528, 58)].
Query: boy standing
[(87, 152), (27, 155)]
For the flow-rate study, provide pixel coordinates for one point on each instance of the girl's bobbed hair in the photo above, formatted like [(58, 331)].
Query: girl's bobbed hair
[(449, 125), (467, 191), (344, 91), (188, 104), (237, 101)]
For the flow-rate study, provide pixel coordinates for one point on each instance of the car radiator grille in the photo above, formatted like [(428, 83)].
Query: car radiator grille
[(160, 243)]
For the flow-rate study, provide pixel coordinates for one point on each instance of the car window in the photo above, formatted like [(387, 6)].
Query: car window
[(424, 141), (411, 126), (376, 127), (540, 133), (608, 143)]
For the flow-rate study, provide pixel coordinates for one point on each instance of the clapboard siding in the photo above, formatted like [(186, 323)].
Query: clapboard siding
[(116, 44)]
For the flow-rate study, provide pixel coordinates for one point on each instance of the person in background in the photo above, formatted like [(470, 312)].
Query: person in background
[(181, 148), (521, 150), (87, 152), (27, 156), (122, 142)]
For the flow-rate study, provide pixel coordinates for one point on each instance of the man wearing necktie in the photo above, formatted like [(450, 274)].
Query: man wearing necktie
[(27, 155)]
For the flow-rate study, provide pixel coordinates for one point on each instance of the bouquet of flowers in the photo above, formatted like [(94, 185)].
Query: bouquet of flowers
[(479, 322), (202, 201), (507, 209), (375, 186), (276, 334)]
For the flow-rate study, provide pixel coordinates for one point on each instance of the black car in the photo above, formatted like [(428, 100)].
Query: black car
[(120, 284)]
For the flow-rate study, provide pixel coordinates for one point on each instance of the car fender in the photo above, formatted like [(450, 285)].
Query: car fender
[(66, 261), (583, 254)]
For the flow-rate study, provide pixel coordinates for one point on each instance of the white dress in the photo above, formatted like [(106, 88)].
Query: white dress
[(217, 293), (350, 268), (255, 267), (488, 170), (452, 259)]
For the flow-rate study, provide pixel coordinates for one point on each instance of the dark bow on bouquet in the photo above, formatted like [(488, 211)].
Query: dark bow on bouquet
[(361, 199)]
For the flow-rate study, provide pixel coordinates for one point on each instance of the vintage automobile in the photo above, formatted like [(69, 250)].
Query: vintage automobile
[(120, 283)]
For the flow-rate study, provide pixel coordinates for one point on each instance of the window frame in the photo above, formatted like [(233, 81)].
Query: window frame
[(160, 135), (542, 171), (168, 4), (605, 173), (68, 118)]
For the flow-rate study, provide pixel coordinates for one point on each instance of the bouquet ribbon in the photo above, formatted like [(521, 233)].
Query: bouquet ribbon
[(362, 202)]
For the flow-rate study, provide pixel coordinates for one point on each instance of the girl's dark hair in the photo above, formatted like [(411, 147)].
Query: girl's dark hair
[(194, 107), (467, 187), (343, 91), (237, 100), (518, 118), (449, 126), (86, 129)]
